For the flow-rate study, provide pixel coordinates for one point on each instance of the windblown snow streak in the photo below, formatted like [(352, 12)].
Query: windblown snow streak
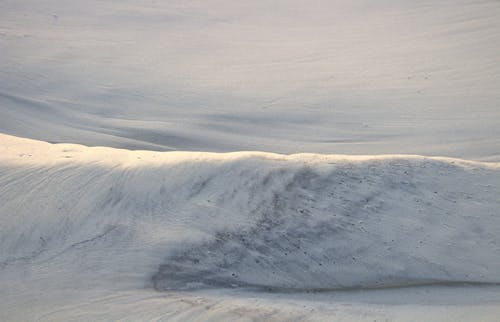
[(300, 222), (370, 224)]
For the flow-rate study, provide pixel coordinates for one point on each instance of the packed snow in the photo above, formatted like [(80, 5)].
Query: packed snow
[(250, 160)]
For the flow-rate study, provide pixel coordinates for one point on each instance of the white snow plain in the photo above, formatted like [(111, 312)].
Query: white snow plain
[(286, 76), (123, 231)]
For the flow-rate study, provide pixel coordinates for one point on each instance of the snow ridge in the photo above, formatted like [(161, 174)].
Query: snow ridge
[(177, 221)]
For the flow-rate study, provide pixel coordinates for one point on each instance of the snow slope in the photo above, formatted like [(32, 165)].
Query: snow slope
[(344, 76), (110, 233), (101, 233)]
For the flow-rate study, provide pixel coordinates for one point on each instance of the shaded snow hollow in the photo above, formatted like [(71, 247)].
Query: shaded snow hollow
[(181, 220)]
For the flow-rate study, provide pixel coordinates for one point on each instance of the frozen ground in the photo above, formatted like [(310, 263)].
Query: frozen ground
[(108, 233)]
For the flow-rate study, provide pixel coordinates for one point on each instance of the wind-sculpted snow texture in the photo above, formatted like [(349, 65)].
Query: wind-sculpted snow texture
[(299, 222), (370, 224), (108, 233), (111, 224), (286, 76)]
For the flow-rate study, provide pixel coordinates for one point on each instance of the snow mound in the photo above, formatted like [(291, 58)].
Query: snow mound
[(182, 220)]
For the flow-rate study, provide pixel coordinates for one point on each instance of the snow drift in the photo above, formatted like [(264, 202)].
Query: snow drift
[(179, 220)]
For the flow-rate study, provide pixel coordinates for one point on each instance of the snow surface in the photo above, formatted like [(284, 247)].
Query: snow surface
[(286, 76), (104, 233), (358, 226)]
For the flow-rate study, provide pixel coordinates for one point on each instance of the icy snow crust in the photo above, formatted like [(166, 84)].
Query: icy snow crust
[(96, 219)]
